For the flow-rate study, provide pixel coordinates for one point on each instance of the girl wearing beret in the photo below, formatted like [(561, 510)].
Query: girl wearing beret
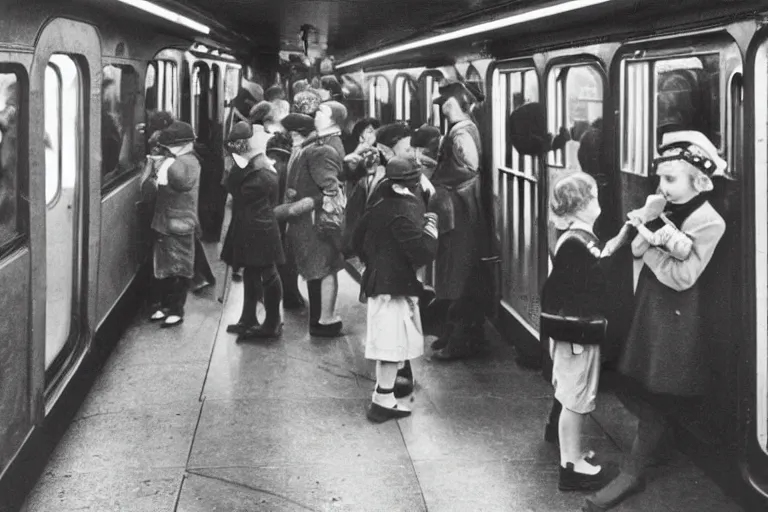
[(253, 240), (664, 359), (175, 223), (394, 238)]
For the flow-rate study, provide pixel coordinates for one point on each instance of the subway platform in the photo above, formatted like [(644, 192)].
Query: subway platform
[(188, 420)]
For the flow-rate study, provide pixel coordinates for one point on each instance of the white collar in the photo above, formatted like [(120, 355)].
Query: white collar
[(240, 161), (580, 224)]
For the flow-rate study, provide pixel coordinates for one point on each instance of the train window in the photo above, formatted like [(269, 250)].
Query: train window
[(735, 120), (378, 96), (11, 185), (231, 86), (434, 115), (161, 87), (119, 94), (685, 93), (516, 191), (404, 93), (575, 103)]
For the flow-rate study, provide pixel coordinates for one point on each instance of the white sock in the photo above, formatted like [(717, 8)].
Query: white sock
[(585, 468)]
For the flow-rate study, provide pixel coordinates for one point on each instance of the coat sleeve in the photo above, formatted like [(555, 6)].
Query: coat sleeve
[(182, 177), (682, 275), (324, 166), (419, 245)]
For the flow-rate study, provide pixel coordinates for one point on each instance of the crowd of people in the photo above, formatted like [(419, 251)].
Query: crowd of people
[(306, 195)]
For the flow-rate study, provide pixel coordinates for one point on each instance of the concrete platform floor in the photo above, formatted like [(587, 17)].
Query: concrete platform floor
[(187, 420)]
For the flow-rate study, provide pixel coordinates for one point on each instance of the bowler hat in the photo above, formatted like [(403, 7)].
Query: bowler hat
[(177, 133), (424, 135), (240, 131), (402, 171)]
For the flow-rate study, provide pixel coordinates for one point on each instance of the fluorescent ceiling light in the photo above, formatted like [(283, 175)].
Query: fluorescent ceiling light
[(508, 21), (167, 14)]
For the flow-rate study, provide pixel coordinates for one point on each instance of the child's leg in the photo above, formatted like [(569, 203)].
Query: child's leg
[(570, 428), (386, 373)]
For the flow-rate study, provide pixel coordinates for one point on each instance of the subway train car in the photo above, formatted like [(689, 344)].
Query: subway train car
[(73, 243), (77, 80)]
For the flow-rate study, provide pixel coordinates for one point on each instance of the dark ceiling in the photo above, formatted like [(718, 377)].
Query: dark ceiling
[(347, 27)]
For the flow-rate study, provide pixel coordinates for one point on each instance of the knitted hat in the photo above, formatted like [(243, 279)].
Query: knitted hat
[(176, 134), (390, 134), (403, 171), (240, 131), (338, 112), (300, 123), (306, 102), (280, 143), (274, 93), (260, 112)]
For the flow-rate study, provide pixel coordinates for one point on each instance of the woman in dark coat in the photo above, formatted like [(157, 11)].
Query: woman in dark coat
[(253, 240)]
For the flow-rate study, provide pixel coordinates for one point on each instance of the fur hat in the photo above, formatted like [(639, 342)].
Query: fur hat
[(338, 112), (299, 123), (176, 134), (306, 102), (274, 93), (261, 112), (390, 134), (527, 130), (403, 171)]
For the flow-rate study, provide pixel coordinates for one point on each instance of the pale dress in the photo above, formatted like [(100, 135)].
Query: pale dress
[(394, 330)]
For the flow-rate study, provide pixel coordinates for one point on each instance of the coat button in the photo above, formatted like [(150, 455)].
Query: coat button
[(677, 312)]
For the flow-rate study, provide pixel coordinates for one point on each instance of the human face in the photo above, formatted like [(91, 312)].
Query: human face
[(368, 136), (323, 118), (675, 182), (451, 109)]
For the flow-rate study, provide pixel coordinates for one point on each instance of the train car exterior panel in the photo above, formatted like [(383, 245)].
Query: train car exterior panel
[(15, 420), (120, 259)]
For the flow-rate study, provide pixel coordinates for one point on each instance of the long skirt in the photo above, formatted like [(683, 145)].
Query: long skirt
[(174, 256), (394, 330)]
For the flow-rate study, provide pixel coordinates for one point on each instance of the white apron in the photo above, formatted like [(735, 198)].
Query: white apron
[(394, 330)]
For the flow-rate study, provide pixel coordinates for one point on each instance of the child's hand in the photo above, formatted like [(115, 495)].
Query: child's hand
[(290, 195), (635, 221)]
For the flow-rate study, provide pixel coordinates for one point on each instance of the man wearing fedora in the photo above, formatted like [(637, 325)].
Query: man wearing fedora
[(462, 224)]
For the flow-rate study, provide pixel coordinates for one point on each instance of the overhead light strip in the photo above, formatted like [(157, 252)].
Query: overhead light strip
[(508, 21), (167, 14)]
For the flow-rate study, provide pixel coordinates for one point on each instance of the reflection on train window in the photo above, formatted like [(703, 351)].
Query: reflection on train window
[(118, 102), (10, 187), (404, 93), (378, 96), (574, 105), (161, 89), (434, 115), (64, 129), (686, 96), (516, 191)]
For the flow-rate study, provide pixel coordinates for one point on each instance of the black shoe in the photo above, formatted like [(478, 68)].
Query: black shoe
[(570, 480), (326, 331), (240, 327), (261, 332), (379, 414)]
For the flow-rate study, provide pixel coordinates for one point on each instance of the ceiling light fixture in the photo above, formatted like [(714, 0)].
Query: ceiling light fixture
[(508, 21), (167, 14)]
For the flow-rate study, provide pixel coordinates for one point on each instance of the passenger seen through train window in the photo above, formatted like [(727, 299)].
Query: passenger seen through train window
[(8, 157), (117, 120)]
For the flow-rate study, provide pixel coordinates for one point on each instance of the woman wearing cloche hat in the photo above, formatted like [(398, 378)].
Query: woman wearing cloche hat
[(175, 223), (665, 359), (253, 240)]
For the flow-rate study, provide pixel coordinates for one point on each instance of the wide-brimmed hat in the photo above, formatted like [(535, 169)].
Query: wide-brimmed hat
[(403, 171), (458, 89), (176, 134), (299, 123)]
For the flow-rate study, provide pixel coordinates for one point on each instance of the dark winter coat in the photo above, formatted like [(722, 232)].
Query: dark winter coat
[(253, 239), (176, 202), (392, 243), (314, 169)]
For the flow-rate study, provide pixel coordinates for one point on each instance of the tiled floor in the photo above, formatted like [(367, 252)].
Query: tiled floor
[(187, 420)]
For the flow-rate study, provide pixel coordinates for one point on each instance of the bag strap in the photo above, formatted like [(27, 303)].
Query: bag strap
[(586, 239)]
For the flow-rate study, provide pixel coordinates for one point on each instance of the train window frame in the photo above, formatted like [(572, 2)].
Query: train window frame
[(376, 99), (430, 81), (50, 203), (130, 157), (162, 94), (405, 90), (556, 97), (20, 236)]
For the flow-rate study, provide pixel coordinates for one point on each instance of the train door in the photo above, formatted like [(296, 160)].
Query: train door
[(65, 186), (379, 105), (665, 86), (516, 183), (63, 100)]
